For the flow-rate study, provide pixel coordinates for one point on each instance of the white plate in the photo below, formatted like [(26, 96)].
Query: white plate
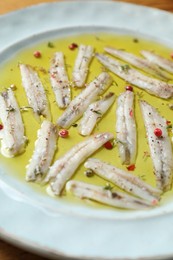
[(51, 228)]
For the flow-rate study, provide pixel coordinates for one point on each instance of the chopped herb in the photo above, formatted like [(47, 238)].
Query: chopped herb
[(50, 45), (89, 173), (136, 40), (169, 127), (125, 67), (108, 187), (10, 109), (96, 111), (115, 83), (74, 125)]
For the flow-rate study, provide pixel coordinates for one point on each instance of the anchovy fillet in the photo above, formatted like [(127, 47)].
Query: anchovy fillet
[(82, 61), (63, 169), (12, 135), (59, 80), (124, 180), (158, 60), (138, 62), (34, 91), (45, 146), (126, 127), (94, 113), (160, 147), (116, 199), (81, 102), (153, 86)]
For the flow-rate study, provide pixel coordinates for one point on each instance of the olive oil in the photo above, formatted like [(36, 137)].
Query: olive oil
[(10, 74)]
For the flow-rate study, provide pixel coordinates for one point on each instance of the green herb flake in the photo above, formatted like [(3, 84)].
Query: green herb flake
[(125, 67), (96, 111), (74, 125), (108, 187), (50, 45)]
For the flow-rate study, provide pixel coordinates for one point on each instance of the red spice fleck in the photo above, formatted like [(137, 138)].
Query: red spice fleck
[(130, 88), (63, 133), (168, 122), (131, 167), (73, 46), (158, 132), (1, 126), (131, 113), (171, 55), (53, 76), (37, 54), (108, 145)]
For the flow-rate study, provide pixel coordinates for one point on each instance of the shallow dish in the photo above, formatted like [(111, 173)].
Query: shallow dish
[(62, 225)]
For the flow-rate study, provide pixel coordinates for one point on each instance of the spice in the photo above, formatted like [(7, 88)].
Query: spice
[(108, 145), (63, 133), (96, 112), (13, 87), (131, 113), (125, 67), (50, 45), (131, 167), (73, 46), (158, 132), (108, 187), (74, 125), (1, 126), (135, 40), (89, 173), (37, 54), (171, 55), (130, 88)]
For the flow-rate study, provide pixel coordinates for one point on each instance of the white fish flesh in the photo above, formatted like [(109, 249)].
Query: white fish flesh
[(81, 102), (116, 199), (153, 86), (59, 80), (12, 135), (82, 62), (160, 147), (138, 62), (125, 180), (34, 91), (94, 113), (63, 169), (126, 127), (158, 60), (45, 146)]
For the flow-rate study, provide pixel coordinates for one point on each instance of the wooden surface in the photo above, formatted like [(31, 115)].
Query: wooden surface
[(8, 252)]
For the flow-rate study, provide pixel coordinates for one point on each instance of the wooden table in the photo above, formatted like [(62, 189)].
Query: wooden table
[(8, 252)]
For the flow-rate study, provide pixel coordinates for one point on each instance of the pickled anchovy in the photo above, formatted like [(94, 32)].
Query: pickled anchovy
[(34, 91), (124, 180), (158, 60), (45, 146), (138, 62), (160, 147), (63, 169), (118, 199), (81, 102), (126, 127), (94, 112), (83, 59), (12, 134), (59, 80), (153, 86)]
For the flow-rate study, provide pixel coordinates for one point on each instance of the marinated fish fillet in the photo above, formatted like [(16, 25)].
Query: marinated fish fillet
[(12, 135), (94, 113), (153, 86), (59, 80), (125, 180), (138, 62), (160, 147), (82, 61), (45, 146), (81, 102), (158, 60), (126, 127), (84, 190), (63, 169), (34, 91)]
